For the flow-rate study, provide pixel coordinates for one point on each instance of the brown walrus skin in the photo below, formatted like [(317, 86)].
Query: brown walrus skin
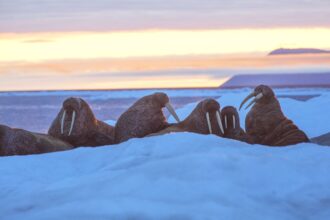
[(231, 122), (266, 124), (85, 129), (144, 117), (21, 142), (197, 120)]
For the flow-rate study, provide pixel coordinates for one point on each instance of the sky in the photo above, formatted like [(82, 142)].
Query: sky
[(99, 44)]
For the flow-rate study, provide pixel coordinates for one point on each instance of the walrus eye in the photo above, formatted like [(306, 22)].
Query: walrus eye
[(72, 122), (253, 94), (172, 111)]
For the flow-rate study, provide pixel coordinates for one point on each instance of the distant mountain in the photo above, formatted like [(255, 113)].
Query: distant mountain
[(303, 80), (285, 51)]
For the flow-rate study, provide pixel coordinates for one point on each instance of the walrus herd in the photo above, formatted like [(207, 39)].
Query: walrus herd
[(76, 125)]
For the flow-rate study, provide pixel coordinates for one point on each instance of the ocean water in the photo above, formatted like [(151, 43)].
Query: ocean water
[(35, 111)]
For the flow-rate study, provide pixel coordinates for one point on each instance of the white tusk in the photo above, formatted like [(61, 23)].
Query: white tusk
[(72, 122), (62, 121), (219, 122), (259, 96), (172, 111), (226, 121), (234, 121), (208, 122)]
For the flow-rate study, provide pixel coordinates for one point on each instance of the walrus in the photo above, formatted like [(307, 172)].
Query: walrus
[(204, 119), (15, 141), (77, 125), (144, 117), (232, 128), (266, 124)]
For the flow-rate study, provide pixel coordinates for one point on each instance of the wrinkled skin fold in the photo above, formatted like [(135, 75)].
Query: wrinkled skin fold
[(15, 141), (266, 124), (77, 125)]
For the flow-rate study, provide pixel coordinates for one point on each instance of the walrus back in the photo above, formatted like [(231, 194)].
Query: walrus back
[(286, 133)]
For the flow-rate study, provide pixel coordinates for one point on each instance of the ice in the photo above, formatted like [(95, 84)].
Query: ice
[(179, 175), (175, 176)]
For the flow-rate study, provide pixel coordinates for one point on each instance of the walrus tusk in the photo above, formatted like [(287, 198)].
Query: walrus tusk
[(253, 94), (220, 122), (72, 121), (246, 99), (62, 121), (172, 111), (259, 96), (234, 120), (208, 122)]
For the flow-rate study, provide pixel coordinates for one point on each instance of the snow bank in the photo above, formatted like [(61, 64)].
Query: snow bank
[(175, 176)]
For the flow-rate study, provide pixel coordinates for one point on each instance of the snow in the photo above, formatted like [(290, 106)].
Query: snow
[(178, 175)]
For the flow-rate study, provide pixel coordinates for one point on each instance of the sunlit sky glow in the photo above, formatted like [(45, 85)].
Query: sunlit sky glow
[(152, 43), (38, 46)]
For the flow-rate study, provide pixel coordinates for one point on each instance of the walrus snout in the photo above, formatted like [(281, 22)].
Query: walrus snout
[(230, 118)]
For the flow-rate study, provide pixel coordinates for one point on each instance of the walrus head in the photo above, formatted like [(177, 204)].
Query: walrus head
[(204, 119), (75, 120), (230, 119), (262, 94), (162, 100)]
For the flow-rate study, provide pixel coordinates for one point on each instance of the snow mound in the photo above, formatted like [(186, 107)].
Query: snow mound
[(174, 176)]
